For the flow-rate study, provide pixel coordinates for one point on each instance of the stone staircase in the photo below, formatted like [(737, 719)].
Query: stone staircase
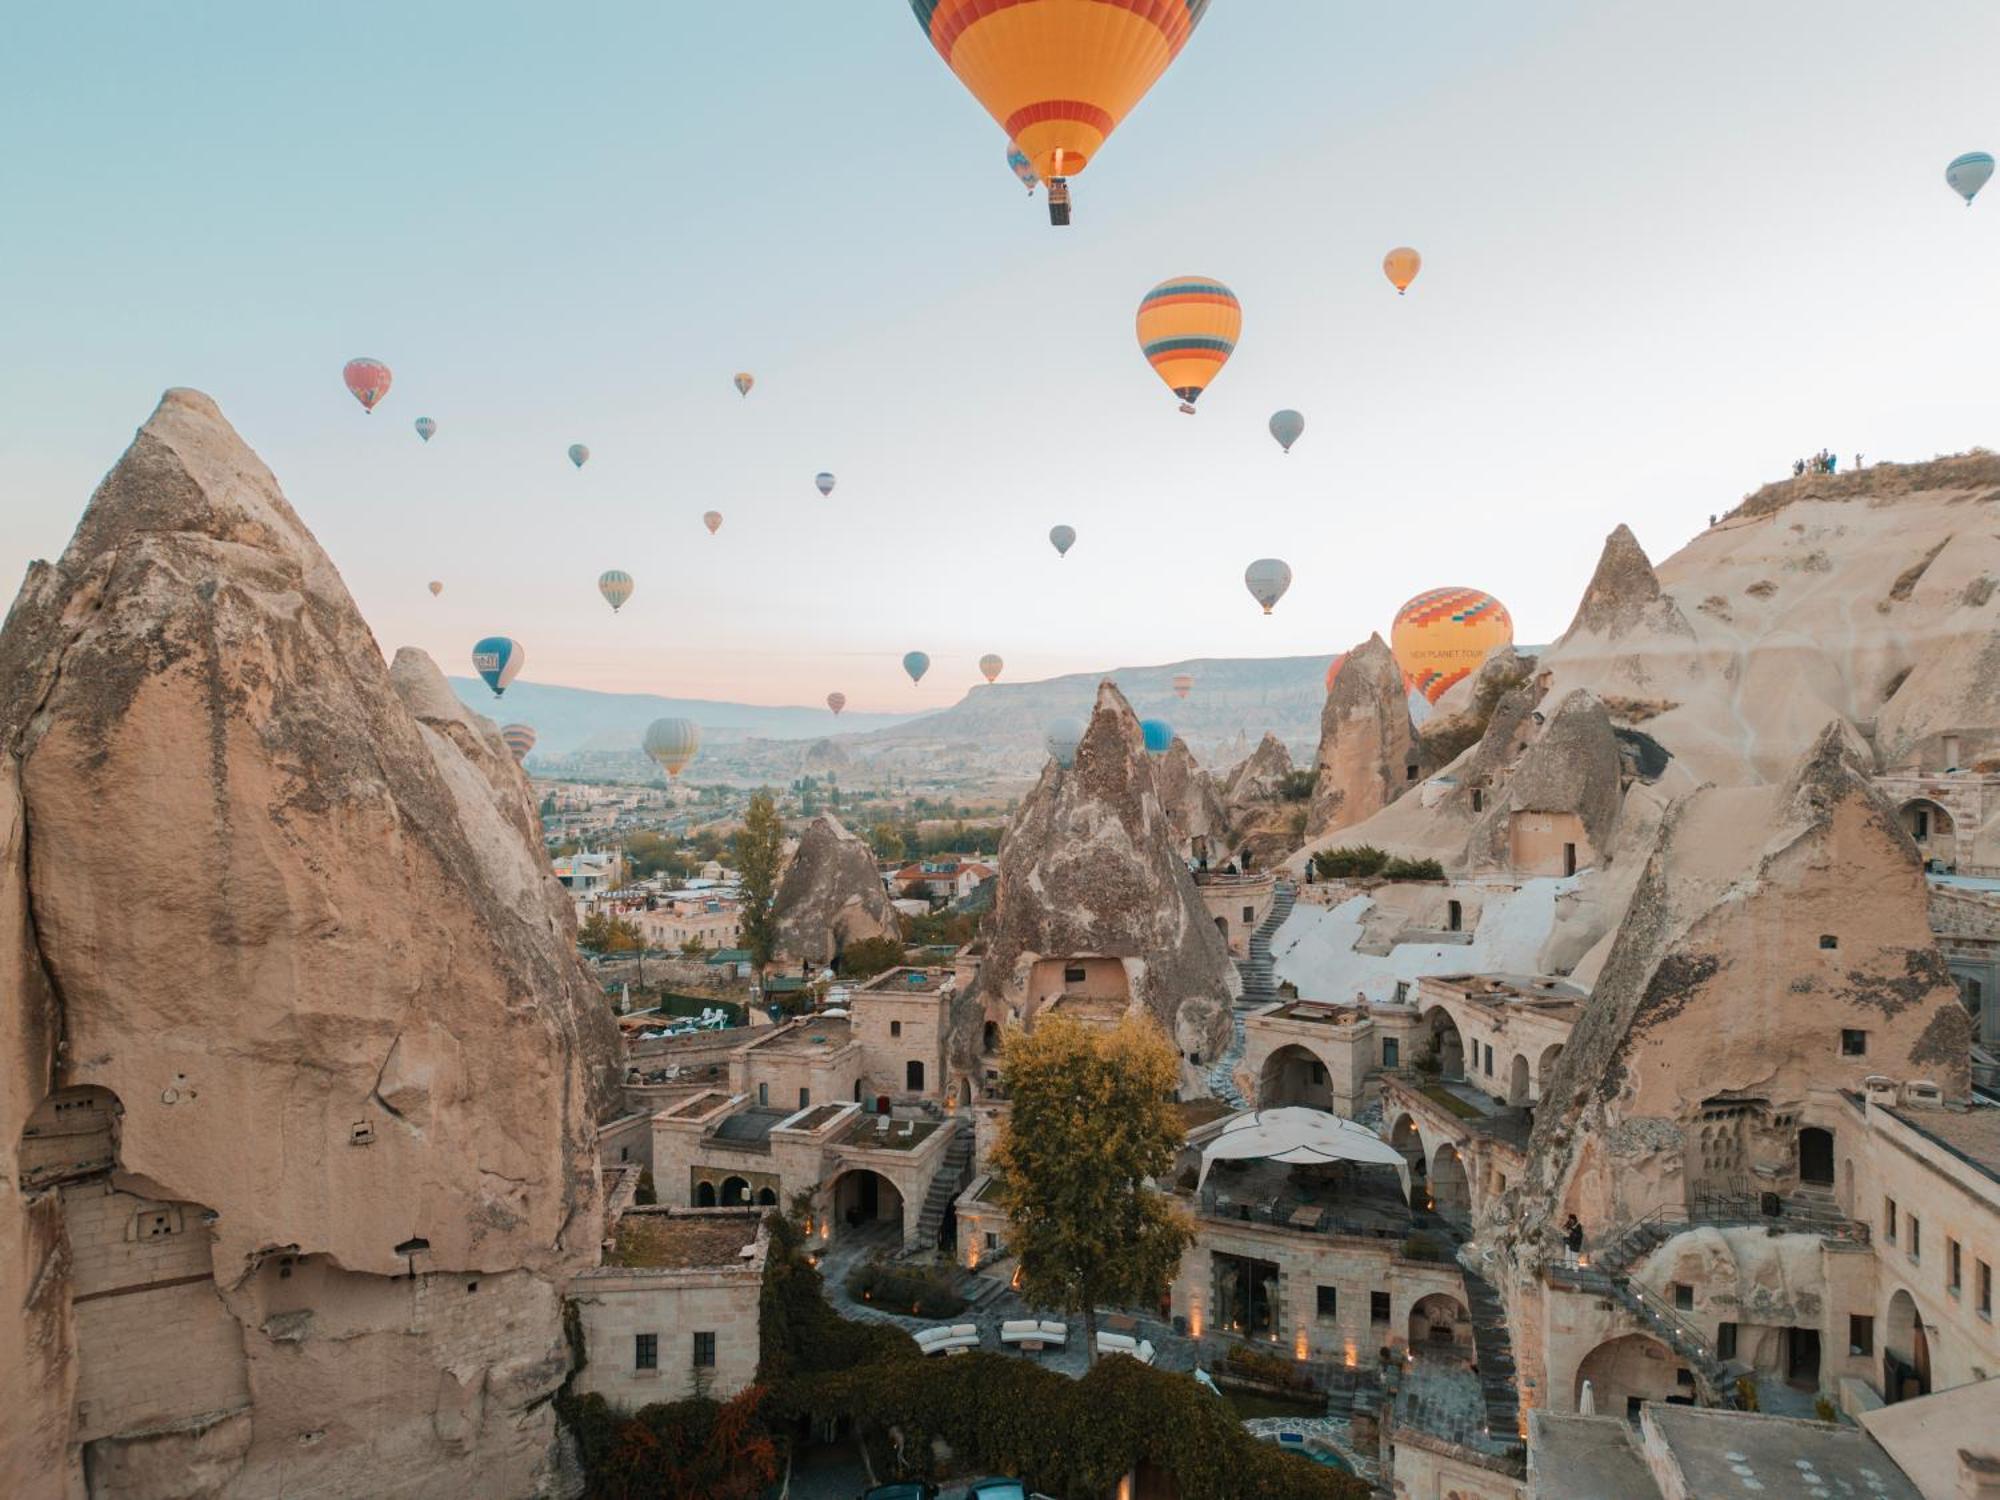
[(1260, 988), (952, 1175), (1493, 1347)]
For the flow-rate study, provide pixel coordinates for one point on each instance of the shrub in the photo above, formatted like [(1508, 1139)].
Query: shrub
[(671, 1449), (645, 1193), (1297, 785), (925, 1292), (1267, 1367), (1825, 1410), (1746, 1394), (869, 957), (1412, 869), (1350, 862)]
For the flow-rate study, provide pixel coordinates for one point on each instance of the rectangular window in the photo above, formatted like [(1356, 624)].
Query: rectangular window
[(645, 1351), (1329, 1301), (1954, 1275), (1914, 1236), (805, 1097), (895, 1028), (1853, 1043), (1889, 1220), (704, 1351), (1983, 1284), (1725, 1341), (1392, 1052), (992, 1242), (1249, 915), (1489, 1059), (1860, 1334), (1378, 1307), (1319, 1072), (1073, 974), (1683, 1296), (1402, 992)]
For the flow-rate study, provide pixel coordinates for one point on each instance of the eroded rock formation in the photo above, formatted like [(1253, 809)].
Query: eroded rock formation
[(1367, 748), (1094, 910), (303, 1066), (1194, 808), (831, 895)]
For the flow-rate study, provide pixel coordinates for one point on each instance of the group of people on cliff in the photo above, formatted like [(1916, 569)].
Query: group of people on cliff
[(1822, 462)]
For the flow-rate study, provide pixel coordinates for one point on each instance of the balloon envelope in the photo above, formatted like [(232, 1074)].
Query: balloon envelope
[(426, 428), (1286, 427), (368, 379), (497, 659), (1333, 669), (1267, 579), (836, 702), (1442, 636), (1062, 737), (616, 587), (673, 743), (916, 664), (712, 519), (744, 380), (1058, 75), (1967, 174), (1188, 326), (1183, 684), (436, 588), (825, 482), (1158, 733), (1062, 538), (578, 454), (1022, 168), (1401, 266), (990, 666), (520, 739)]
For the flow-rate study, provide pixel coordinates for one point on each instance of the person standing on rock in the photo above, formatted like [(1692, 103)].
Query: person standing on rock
[(1572, 1239)]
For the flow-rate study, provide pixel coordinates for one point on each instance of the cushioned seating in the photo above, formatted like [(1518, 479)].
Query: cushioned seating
[(1123, 1343), (1029, 1334), (947, 1338)]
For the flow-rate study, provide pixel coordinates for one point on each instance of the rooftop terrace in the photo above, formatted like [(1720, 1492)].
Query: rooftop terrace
[(908, 981), (1543, 993), (659, 1242), (1971, 1133), (901, 1135), (1347, 1198), (1320, 1011), (816, 1036), (698, 1104)]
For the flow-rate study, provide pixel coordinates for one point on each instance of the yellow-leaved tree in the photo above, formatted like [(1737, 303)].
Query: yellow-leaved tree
[(1092, 1119)]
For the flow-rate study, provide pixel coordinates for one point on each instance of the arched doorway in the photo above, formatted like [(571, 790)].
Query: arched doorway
[(1445, 1044), (735, 1192), (1517, 1081), (1451, 1191), (1932, 828), (1403, 1136), (704, 1195), (864, 1200), (1292, 1075), (1816, 1156), (913, 1076), (1440, 1321), (1906, 1351), (989, 1040), (1628, 1370), (767, 1197), (1545, 1069)]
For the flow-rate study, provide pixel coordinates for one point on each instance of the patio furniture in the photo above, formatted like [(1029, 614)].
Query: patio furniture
[(1027, 1333), (1123, 1343), (947, 1338)]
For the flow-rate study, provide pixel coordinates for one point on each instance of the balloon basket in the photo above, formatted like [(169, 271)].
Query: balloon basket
[(1059, 202)]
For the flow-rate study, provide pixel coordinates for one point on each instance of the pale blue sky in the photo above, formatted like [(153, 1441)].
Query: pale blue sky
[(1667, 249)]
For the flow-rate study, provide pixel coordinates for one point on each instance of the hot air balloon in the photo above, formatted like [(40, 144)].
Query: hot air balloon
[(1183, 684), (436, 588), (1062, 737), (673, 743), (1267, 579), (712, 519), (1333, 669), (497, 660), (426, 428), (1062, 538), (916, 664), (825, 482), (1058, 74), (1401, 266), (520, 739), (990, 665), (1442, 636), (744, 380), (1188, 327), (1158, 734), (1286, 426), (368, 379), (1967, 174), (578, 454), (836, 702), (616, 587), (1023, 169)]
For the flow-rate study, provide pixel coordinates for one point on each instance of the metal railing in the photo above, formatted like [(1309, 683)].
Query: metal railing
[(1622, 1245)]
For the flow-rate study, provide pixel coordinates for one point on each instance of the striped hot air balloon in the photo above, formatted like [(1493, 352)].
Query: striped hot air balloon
[(1188, 327), (823, 481), (836, 702), (1183, 684), (497, 659), (990, 666), (1058, 74), (744, 380), (426, 428), (520, 739), (1969, 173), (616, 586), (673, 743), (1441, 636), (368, 379), (1158, 735)]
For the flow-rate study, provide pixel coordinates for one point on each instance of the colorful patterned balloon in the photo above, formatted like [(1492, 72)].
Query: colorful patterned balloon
[(1183, 684), (1188, 326), (1158, 734), (426, 428), (1442, 635), (497, 659), (437, 587), (744, 380), (1023, 168), (520, 739), (825, 482), (990, 666), (616, 587), (673, 743), (1333, 669), (368, 379), (836, 702)]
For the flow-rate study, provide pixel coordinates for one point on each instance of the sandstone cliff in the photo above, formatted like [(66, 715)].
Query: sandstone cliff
[(1194, 808), (285, 946), (831, 895), (1090, 882), (1367, 748)]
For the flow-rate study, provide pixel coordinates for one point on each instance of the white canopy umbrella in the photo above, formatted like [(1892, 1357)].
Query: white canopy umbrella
[(1298, 1135)]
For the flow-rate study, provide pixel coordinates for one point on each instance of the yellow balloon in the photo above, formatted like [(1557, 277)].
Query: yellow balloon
[(1188, 326), (1442, 635), (1401, 266)]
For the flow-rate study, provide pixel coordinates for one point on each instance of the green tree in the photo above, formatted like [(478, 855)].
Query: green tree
[(887, 843), (602, 933), (1092, 1120), (869, 957), (759, 853)]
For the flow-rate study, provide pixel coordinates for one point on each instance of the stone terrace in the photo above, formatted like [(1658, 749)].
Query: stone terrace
[(663, 1241)]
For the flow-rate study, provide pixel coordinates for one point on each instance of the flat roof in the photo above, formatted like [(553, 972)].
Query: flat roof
[(748, 1126), (1586, 1458), (819, 1034), (1774, 1458), (907, 979), (902, 1135), (662, 1243), (1969, 1132), (698, 1104), (1325, 1012), (1533, 988), (1098, 1009)]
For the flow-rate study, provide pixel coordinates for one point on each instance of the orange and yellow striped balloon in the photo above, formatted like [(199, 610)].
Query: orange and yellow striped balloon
[(1187, 328), (1441, 636), (1058, 74)]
